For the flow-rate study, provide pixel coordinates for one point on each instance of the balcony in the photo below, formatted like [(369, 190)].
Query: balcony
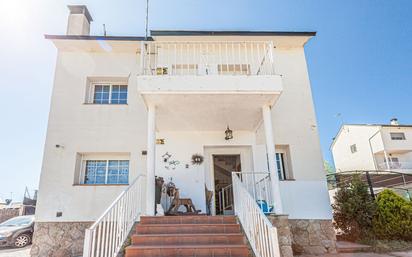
[(211, 79), (207, 58), (396, 166)]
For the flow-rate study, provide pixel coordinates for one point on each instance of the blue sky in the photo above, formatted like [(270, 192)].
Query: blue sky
[(360, 63)]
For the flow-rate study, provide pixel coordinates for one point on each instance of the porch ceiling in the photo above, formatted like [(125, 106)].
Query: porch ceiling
[(201, 112)]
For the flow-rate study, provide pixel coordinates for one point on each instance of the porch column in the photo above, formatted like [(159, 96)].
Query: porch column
[(271, 155), (151, 151), (386, 160)]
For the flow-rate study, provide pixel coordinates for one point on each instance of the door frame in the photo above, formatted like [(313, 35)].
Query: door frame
[(246, 163)]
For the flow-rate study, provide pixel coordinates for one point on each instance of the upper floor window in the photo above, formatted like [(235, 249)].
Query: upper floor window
[(108, 94), (106, 172), (353, 148), (398, 136)]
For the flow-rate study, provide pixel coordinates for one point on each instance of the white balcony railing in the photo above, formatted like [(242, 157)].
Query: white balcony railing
[(395, 166), (262, 235), (207, 58), (107, 235)]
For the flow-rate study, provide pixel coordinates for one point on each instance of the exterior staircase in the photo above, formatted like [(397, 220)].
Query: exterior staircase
[(194, 236)]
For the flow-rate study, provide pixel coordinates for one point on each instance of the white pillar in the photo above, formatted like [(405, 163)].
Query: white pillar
[(151, 152), (271, 155), (388, 167)]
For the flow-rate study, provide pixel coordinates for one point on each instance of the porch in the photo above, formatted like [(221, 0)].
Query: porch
[(188, 122)]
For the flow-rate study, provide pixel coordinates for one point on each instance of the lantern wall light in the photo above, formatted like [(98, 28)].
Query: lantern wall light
[(228, 133)]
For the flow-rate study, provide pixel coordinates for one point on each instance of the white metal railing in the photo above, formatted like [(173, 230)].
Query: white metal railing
[(207, 58), (262, 235), (225, 199), (259, 185), (107, 235), (395, 166)]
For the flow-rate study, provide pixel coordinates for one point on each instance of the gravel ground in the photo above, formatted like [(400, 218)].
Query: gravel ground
[(10, 252)]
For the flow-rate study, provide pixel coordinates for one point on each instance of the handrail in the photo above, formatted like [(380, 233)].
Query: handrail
[(259, 186), (195, 58), (106, 236), (225, 199), (261, 234)]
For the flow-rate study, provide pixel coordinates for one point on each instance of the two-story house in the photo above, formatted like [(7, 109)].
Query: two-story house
[(227, 112), (373, 147)]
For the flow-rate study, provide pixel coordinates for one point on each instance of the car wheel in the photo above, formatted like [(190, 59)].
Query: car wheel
[(22, 240)]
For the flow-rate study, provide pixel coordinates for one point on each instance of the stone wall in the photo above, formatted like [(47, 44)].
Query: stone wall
[(297, 237), (58, 239), (8, 213), (312, 236), (281, 223)]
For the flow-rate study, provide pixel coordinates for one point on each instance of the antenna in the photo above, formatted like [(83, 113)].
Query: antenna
[(147, 19), (104, 29)]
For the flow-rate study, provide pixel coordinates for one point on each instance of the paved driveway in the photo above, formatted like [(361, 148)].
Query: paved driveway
[(10, 252), (393, 254)]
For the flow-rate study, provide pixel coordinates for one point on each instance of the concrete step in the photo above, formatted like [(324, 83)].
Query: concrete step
[(187, 228), (188, 239), (188, 250), (350, 247), (198, 219)]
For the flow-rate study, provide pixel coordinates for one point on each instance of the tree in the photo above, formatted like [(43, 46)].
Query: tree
[(393, 218), (354, 209)]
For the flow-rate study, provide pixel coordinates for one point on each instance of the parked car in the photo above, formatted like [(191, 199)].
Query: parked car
[(17, 231)]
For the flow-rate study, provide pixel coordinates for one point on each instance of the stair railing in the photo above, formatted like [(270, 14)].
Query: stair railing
[(107, 235), (226, 198), (262, 235)]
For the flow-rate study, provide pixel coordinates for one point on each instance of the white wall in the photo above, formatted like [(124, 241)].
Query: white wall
[(293, 116), (380, 141), (397, 145), (306, 199), (344, 159), (182, 145), (85, 128)]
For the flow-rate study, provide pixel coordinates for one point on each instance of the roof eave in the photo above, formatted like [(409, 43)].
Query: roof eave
[(87, 37), (230, 33)]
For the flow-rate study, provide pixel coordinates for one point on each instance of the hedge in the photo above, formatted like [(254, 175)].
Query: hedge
[(393, 217)]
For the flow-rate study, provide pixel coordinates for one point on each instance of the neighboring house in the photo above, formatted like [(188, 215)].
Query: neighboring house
[(8, 211), (373, 147), (114, 98)]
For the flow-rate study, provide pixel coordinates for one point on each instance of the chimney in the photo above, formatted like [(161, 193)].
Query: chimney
[(79, 20), (394, 122)]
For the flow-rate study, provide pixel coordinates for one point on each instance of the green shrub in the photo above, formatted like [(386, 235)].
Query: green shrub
[(393, 218), (353, 210)]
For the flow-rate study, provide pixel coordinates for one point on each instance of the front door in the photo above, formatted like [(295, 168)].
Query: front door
[(223, 166)]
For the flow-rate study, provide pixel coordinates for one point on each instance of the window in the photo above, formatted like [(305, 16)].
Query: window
[(181, 69), (108, 94), (353, 148), (106, 172), (398, 136), (233, 69), (280, 160)]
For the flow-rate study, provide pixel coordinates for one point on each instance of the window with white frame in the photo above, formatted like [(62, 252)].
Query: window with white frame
[(353, 148), (105, 93), (398, 136), (106, 172)]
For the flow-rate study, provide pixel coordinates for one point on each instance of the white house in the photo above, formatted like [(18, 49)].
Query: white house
[(384, 147), (127, 109)]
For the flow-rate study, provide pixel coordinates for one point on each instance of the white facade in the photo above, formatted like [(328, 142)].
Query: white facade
[(189, 110), (373, 147)]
